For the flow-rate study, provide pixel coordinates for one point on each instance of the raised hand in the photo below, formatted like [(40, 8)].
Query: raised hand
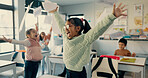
[(119, 10), (55, 10), (36, 27)]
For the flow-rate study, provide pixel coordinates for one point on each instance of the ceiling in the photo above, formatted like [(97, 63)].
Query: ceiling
[(72, 2)]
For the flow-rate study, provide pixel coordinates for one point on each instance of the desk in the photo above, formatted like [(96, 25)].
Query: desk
[(8, 65), (46, 55), (59, 60), (138, 66)]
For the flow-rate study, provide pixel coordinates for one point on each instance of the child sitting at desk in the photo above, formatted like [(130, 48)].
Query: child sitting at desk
[(123, 52)]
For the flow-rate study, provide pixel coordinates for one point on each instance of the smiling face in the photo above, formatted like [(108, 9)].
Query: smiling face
[(71, 30), (32, 34)]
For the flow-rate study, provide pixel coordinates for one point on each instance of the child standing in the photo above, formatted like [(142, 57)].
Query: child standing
[(76, 46), (33, 54), (123, 52), (44, 39)]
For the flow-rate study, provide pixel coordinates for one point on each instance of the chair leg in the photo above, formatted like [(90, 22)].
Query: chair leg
[(54, 68)]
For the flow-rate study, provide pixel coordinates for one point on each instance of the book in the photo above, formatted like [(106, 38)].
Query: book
[(132, 60)]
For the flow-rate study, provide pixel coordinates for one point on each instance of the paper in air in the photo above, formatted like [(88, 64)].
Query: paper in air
[(48, 19), (48, 6), (37, 11), (22, 22)]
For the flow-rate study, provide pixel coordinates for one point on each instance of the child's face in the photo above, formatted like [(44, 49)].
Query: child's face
[(33, 34), (71, 30), (121, 45), (43, 35)]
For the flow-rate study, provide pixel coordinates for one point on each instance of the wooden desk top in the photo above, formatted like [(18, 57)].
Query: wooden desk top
[(4, 63), (138, 62)]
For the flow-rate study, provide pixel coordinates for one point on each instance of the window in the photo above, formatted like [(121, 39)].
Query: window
[(6, 24), (7, 2)]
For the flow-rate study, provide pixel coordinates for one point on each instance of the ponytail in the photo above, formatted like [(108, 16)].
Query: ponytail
[(85, 27)]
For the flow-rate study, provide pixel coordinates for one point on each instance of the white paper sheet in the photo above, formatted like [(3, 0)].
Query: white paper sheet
[(48, 6), (48, 19), (37, 11), (22, 22)]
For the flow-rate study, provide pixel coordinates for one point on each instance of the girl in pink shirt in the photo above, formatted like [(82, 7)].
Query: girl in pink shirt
[(33, 54)]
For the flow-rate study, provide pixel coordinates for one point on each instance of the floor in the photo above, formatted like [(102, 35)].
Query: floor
[(59, 69)]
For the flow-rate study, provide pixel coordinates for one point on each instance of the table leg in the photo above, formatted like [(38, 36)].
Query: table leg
[(48, 72)]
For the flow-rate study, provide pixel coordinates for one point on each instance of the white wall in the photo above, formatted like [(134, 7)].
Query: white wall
[(86, 9)]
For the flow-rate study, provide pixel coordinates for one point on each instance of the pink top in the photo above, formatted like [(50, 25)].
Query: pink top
[(33, 51), (33, 47)]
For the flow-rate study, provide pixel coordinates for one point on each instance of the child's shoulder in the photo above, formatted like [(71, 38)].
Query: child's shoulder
[(117, 50), (127, 50)]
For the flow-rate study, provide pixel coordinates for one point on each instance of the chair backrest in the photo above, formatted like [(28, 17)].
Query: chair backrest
[(104, 67), (18, 57)]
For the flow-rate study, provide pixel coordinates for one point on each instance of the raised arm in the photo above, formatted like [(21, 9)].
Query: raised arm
[(103, 25), (59, 20), (23, 42)]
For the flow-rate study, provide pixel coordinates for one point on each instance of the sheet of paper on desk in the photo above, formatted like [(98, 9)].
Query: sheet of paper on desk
[(132, 60)]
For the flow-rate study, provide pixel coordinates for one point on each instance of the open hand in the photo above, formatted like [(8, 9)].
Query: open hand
[(119, 10)]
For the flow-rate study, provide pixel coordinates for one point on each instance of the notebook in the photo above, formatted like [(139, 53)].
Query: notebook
[(132, 60)]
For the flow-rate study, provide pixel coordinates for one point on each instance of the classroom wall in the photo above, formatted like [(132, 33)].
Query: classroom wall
[(139, 47), (86, 9)]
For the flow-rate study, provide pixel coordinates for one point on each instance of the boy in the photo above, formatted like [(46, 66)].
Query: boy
[(123, 52)]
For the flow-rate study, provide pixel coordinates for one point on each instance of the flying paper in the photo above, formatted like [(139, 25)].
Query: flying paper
[(48, 6), (21, 25), (37, 11), (48, 19)]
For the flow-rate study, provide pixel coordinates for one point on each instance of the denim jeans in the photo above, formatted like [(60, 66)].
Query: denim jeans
[(76, 74), (31, 69)]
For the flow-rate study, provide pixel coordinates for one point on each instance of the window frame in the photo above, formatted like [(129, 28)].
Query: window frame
[(9, 8)]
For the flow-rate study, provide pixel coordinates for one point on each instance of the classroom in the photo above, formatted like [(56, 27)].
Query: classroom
[(73, 39)]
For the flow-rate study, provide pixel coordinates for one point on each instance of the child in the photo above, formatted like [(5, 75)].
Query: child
[(44, 39), (123, 52), (76, 46), (33, 54)]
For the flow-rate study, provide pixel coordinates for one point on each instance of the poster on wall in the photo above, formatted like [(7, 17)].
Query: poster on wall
[(138, 14)]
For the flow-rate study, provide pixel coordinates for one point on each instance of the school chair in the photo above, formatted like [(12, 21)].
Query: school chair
[(18, 57), (103, 67)]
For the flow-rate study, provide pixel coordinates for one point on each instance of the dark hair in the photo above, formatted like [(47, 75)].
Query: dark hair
[(122, 40), (40, 37), (78, 22), (28, 31)]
